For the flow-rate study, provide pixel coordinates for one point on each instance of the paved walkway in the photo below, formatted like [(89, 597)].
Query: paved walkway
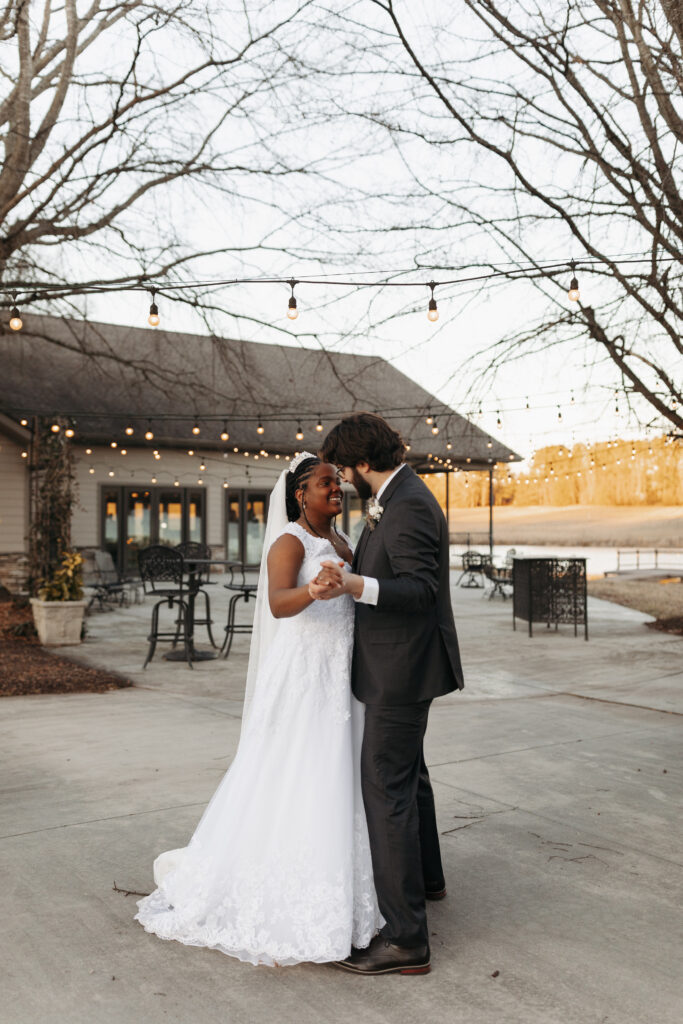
[(558, 782)]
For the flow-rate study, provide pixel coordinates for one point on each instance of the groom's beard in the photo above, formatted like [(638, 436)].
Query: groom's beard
[(362, 486)]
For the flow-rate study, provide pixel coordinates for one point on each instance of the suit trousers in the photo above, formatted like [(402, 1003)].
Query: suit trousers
[(399, 806)]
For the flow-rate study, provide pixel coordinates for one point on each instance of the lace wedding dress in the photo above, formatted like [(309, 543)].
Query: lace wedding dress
[(278, 870)]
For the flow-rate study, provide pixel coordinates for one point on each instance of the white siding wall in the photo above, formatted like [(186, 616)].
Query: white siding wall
[(139, 466), (13, 497)]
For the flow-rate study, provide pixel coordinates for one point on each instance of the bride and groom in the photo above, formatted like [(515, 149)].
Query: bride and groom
[(320, 843)]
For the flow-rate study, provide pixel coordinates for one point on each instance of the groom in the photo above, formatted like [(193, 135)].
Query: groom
[(405, 654)]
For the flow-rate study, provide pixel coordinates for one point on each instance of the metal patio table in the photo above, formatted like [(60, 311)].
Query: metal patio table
[(194, 566)]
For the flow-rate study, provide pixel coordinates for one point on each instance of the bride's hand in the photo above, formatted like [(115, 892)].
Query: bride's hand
[(339, 582), (318, 589), (332, 573)]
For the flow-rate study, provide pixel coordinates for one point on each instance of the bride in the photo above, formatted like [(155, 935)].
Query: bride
[(278, 870)]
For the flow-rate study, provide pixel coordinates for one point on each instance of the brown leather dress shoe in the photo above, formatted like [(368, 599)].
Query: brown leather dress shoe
[(383, 957), (436, 894)]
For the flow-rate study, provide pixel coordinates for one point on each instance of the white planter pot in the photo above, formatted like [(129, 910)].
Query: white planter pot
[(58, 622)]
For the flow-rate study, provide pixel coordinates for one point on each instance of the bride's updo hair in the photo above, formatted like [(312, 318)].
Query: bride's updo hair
[(298, 479)]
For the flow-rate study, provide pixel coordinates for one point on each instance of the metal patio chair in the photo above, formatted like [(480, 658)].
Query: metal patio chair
[(162, 572)]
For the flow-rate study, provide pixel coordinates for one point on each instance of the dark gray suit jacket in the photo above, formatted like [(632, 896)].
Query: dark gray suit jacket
[(405, 646)]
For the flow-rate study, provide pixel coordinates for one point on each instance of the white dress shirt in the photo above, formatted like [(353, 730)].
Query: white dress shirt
[(370, 594)]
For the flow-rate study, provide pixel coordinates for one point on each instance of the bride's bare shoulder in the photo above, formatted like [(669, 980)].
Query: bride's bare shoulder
[(286, 549)]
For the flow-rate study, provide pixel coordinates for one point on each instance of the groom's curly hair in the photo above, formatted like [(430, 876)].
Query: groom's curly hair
[(364, 437)]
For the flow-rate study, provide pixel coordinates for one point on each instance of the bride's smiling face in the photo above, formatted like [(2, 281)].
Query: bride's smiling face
[(323, 491)]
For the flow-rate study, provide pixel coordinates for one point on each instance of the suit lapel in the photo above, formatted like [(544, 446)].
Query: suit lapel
[(358, 553), (394, 484), (386, 496)]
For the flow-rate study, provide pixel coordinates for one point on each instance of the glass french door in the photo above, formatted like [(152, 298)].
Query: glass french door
[(245, 525), (133, 518), (170, 518), (138, 526)]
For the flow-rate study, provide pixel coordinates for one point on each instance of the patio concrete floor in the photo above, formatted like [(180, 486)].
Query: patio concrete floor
[(558, 783)]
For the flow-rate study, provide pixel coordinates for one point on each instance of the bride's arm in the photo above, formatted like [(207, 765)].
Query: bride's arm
[(284, 561)]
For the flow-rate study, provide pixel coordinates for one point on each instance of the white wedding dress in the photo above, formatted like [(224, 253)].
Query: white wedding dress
[(278, 870)]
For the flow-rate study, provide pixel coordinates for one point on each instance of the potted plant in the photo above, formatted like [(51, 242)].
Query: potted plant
[(59, 608)]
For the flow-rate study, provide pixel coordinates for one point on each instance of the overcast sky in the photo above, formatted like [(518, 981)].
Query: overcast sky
[(568, 397)]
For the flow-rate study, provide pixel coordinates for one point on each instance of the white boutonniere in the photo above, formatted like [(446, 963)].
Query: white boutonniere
[(373, 512)]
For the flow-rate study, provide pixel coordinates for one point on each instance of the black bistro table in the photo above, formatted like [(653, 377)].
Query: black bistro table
[(194, 568)]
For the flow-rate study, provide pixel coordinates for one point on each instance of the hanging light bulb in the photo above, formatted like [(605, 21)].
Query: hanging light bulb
[(429, 419), (190, 451), (129, 430), (113, 444), (24, 423), (448, 445), (24, 455), (176, 482), (432, 311), (573, 292), (196, 429), (149, 433), (292, 311), (154, 479), (200, 481), (88, 451), (435, 429), (110, 473), (91, 469), (299, 433), (55, 428), (499, 422), (225, 484), (157, 455), (260, 428), (153, 318), (15, 321), (225, 436), (124, 451), (69, 431), (319, 425), (489, 444), (202, 467)]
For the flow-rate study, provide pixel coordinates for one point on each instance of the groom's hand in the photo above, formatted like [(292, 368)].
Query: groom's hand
[(340, 582)]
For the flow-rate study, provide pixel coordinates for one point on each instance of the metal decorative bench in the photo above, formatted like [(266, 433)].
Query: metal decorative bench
[(109, 586), (550, 590)]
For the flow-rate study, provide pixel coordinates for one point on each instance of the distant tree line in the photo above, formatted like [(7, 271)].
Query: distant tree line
[(609, 473)]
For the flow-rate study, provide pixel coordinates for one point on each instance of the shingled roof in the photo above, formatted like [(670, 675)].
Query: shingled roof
[(107, 376)]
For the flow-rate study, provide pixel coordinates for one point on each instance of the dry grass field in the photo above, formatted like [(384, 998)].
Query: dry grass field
[(645, 526), (663, 600)]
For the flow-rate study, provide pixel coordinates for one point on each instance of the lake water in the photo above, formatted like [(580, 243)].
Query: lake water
[(598, 559)]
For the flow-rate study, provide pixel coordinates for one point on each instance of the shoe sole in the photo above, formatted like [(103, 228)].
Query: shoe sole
[(413, 969), (436, 895)]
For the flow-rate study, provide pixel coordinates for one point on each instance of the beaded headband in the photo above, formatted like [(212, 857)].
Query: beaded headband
[(298, 459)]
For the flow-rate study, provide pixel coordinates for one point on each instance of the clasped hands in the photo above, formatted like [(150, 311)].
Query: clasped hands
[(332, 582)]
